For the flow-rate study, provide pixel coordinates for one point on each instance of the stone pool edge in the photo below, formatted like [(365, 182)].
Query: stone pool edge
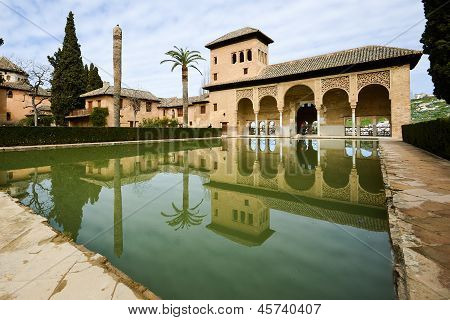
[(417, 210), (13, 213), (95, 144), (399, 270)]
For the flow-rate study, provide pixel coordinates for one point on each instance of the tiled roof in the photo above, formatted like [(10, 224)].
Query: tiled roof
[(7, 65), (178, 102), (125, 92), (24, 87), (337, 59), (243, 32), (42, 110)]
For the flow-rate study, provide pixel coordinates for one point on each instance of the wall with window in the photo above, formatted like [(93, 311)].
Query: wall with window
[(16, 104), (9, 76), (148, 109), (229, 62)]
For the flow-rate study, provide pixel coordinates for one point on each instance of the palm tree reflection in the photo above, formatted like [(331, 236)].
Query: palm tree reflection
[(185, 217)]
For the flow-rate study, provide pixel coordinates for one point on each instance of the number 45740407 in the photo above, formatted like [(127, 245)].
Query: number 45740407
[(278, 308)]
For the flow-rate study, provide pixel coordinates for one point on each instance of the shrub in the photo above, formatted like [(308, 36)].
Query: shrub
[(98, 117), (25, 122), (23, 136), (433, 136), (159, 123)]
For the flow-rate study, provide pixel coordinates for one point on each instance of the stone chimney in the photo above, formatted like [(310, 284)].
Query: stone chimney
[(117, 67)]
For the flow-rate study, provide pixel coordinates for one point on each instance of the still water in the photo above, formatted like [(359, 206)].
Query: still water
[(221, 219)]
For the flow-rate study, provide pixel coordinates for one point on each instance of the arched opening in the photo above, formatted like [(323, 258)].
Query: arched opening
[(268, 116), (300, 174), (245, 116), (295, 99), (337, 168), (246, 156), (338, 113), (268, 159), (249, 55), (306, 119), (373, 111)]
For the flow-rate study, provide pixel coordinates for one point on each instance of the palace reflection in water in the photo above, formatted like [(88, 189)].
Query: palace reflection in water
[(239, 185)]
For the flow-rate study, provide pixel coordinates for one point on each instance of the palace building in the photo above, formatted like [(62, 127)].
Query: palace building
[(15, 97), (363, 92)]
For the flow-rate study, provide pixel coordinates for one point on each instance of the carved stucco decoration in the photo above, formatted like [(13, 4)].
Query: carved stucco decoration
[(378, 77), (342, 82), (267, 91), (244, 93)]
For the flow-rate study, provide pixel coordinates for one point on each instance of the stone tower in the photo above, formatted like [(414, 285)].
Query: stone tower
[(117, 67)]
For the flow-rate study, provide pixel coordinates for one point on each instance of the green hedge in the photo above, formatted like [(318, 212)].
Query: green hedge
[(433, 136), (25, 136)]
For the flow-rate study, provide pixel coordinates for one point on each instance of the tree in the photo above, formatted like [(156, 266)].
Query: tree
[(68, 80), (94, 81), (98, 116), (436, 43), (185, 59), (38, 77)]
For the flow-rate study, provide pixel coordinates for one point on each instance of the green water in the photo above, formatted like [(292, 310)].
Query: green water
[(231, 219)]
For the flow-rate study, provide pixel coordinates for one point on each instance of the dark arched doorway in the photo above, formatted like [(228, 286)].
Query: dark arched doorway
[(306, 119)]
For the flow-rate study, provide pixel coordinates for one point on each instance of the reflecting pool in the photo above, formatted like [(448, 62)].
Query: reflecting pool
[(221, 219)]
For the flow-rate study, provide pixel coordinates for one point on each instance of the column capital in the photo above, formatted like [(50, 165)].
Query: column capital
[(353, 105)]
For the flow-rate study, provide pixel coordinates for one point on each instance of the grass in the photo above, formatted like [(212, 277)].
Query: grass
[(428, 108)]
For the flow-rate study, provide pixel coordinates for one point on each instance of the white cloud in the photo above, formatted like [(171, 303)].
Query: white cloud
[(150, 28)]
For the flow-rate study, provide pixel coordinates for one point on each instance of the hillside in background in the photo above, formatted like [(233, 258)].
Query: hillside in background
[(428, 108)]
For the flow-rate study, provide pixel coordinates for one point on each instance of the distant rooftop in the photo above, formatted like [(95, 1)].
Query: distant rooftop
[(350, 58), (8, 65), (178, 102), (108, 90), (239, 35), (25, 87)]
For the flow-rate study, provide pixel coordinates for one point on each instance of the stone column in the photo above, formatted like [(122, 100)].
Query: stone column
[(353, 106), (281, 124), (318, 121), (353, 153), (257, 124), (318, 153), (117, 68)]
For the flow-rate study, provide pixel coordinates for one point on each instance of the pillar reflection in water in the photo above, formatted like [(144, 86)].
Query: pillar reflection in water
[(118, 228)]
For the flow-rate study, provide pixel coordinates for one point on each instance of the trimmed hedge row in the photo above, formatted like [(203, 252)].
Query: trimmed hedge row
[(433, 136), (25, 136)]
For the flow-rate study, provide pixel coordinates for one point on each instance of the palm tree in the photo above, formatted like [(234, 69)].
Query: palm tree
[(185, 217), (186, 59)]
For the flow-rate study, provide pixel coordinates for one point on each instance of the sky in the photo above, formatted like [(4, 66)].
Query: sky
[(34, 29)]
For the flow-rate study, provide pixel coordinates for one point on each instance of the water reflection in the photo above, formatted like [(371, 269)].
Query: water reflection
[(258, 193), (185, 217)]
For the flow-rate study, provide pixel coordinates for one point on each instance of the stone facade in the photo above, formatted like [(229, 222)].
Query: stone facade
[(248, 96)]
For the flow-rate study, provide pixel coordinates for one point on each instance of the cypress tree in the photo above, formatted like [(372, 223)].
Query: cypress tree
[(94, 79), (436, 43), (68, 81)]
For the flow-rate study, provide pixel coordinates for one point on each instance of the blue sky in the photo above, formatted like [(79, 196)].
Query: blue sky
[(150, 28)]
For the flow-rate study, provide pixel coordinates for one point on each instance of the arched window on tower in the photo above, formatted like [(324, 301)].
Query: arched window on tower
[(10, 94), (249, 55), (233, 58), (241, 56)]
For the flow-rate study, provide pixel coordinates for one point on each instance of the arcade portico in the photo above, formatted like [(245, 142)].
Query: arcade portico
[(358, 92)]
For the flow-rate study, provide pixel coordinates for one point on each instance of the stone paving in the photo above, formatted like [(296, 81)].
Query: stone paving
[(418, 192), (37, 262)]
